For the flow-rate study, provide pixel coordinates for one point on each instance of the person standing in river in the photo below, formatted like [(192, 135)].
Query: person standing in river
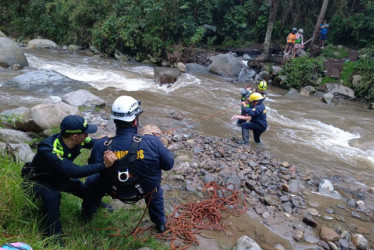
[(256, 115)]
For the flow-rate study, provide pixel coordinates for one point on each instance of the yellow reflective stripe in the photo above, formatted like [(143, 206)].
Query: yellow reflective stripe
[(86, 141), (58, 149), (78, 131)]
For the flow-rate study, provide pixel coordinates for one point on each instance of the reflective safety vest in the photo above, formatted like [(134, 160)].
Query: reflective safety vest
[(291, 38)]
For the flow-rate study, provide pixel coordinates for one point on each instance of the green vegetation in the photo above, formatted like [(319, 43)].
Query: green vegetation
[(365, 67), (302, 71), (335, 52), (152, 29), (20, 219)]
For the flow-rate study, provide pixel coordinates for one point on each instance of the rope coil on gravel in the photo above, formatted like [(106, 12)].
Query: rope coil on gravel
[(189, 219)]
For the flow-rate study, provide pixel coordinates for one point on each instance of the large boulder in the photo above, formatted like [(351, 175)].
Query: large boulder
[(246, 75), (41, 43), (338, 89), (327, 98), (11, 54), (13, 136), (196, 68), (83, 98), (166, 75), (47, 116), (45, 81), (21, 152), (38, 118), (2, 34), (308, 91), (226, 65)]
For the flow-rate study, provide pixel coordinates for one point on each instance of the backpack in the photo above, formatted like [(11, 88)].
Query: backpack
[(119, 180), (16, 246)]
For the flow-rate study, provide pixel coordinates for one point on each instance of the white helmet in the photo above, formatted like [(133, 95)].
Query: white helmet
[(126, 108)]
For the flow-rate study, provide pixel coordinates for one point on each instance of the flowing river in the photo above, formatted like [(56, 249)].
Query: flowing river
[(325, 140)]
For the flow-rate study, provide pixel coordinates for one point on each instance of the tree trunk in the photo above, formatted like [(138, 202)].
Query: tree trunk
[(269, 30), (318, 24)]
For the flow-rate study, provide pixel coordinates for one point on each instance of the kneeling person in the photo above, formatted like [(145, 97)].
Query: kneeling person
[(152, 158)]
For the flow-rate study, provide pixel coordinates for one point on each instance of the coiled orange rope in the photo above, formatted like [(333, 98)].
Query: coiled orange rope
[(189, 219)]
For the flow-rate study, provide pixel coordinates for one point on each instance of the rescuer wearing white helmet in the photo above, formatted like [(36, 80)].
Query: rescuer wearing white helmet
[(152, 157), (256, 114)]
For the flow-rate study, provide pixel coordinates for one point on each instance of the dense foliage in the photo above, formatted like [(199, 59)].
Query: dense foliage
[(302, 71), (153, 28)]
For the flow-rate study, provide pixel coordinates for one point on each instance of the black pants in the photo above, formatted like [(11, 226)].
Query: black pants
[(257, 130), (95, 192), (51, 198)]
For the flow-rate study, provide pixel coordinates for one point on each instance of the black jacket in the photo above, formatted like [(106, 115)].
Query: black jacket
[(53, 162)]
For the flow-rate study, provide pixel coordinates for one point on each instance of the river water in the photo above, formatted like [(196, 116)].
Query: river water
[(325, 140)]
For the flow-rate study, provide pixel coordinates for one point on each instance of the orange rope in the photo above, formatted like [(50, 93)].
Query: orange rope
[(189, 219)]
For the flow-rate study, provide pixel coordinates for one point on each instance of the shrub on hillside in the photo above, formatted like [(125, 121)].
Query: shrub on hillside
[(302, 71)]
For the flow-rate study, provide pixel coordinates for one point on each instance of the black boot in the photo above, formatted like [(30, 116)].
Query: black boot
[(245, 135), (161, 228)]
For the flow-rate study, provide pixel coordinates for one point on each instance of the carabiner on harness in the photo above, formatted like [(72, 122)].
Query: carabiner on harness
[(123, 176)]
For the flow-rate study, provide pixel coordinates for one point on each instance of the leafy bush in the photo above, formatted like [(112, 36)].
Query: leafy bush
[(302, 71), (365, 67)]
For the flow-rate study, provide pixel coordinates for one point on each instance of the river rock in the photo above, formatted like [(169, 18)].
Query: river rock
[(309, 221), (246, 243), (44, 116), (279, 80), (46, 82), (338, 89), (307, 91), (327, 98), (293, 93), (325, 187), (2, 34), (13, 136), (275, 70), (298, 235), (194, 68), (83, 98), (21, 152), (246, 75), (226, 65), (164, 75), (74, 47), (41, 43), (176, 115), (11, 54), (359, 241), (181, 66), (328, 234)]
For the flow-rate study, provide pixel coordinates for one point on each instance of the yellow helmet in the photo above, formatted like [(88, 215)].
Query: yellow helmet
[(255, 97), (263, 85)]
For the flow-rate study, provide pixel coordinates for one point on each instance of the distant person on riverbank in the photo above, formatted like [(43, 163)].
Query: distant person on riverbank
[(256, 115), (52, 170), (291, 37), (323, 32), (299, 42)]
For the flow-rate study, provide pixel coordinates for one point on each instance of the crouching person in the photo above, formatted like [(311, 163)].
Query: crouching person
[(52, 170), (145, 158), (256, 114)]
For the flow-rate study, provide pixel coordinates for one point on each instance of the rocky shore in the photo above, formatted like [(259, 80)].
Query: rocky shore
[(273, 189)]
